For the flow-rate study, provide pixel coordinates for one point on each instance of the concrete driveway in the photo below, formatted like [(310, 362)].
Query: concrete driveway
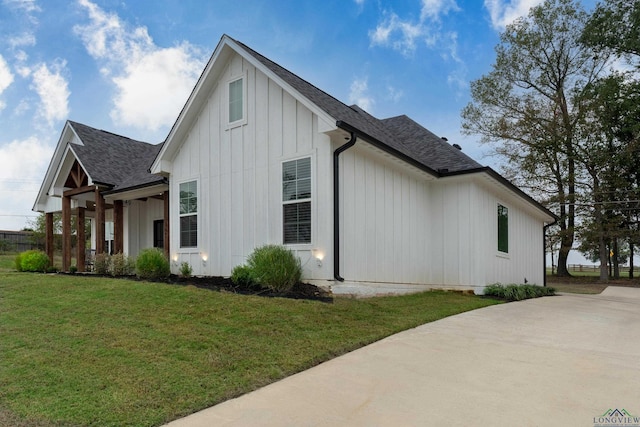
[(555, 361)]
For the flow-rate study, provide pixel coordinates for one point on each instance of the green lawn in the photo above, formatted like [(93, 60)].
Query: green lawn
[(109, 352)]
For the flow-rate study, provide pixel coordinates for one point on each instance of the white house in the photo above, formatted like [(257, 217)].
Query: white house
[(258, 155)]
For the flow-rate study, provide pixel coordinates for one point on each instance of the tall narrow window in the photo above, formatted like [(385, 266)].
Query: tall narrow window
[(296, 199), (189, 214), (503, 229), (235, 101)]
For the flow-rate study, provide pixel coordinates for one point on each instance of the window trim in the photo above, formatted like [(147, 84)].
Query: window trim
[(498, 246), (243, 119), (196, 214), (290, 202)]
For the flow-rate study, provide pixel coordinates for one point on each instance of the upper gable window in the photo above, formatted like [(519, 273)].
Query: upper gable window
[(236, 100)]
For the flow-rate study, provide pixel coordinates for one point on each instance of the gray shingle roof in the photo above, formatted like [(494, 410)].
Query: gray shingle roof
[(115, 160), (401, 134)]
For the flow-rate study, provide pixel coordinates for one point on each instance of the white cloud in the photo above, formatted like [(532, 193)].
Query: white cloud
[(26, 5), (6, 78), (24, 39), (505, 12), (432, 9), (23, 163), (403, 35), (359, 94), (394, 94), (152, 83), (52, 88)]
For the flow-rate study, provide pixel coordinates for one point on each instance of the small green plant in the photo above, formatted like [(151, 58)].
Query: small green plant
[(242, 275), (185, 269), (101, 263), (152, 265), (518, 292), (73, 269), (121, 265), (274, 267), (34, 260)]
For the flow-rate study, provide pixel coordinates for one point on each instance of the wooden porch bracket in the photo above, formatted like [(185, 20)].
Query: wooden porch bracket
[(118, 226)]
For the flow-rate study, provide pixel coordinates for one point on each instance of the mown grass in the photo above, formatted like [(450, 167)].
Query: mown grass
[(110, 352)]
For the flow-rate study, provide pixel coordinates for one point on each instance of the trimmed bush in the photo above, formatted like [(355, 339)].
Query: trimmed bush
[(242, 275), (152, 264), (121, 265), (101, 263), (518, 292), (185, 269), (274, 267), (34, 260)]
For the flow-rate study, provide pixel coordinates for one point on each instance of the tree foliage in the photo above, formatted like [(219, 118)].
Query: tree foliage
[(529, 106)]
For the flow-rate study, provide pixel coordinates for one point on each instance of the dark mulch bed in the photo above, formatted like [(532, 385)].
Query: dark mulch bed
[(224, 284)]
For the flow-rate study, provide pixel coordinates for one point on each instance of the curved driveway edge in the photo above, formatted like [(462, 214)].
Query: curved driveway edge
[(562, 360)]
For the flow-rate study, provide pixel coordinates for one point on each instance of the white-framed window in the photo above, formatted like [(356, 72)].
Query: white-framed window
[(296, 201), (503, 229), (236, 101), (189, 214)]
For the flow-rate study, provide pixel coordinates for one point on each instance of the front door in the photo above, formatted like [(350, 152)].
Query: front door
[(158, 233)]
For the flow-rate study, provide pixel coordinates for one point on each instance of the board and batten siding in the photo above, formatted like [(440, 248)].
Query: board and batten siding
[(465, 236), (138, 225), (239, 175), (400, 227), (384, 220)]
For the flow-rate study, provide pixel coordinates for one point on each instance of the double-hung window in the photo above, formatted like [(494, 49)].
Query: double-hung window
[(189, 214), (503, 229), (236, 100), (296, 201)]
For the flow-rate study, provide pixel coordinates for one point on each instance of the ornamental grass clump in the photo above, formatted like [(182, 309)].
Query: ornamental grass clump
[(518, 292), (33, 260), (275, 268), (152, 265), (121, 265)]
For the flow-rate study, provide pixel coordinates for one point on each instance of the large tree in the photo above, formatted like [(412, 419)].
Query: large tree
[(529, 105)]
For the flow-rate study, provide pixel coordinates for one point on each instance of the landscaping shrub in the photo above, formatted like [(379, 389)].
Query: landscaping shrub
[(121, 265), (242, 275), (274, 267), (518, 292), (185, 269), (101, 263), (152, 264), (73, 269), (34, 260)]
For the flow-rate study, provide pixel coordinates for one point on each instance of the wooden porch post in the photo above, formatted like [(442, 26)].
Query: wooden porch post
[(66, 233), (100, 216), (48, 232), (118, 226), (167, 247), (81, 243)]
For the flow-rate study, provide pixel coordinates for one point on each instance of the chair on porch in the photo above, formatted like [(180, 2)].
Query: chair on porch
[(89, 259)]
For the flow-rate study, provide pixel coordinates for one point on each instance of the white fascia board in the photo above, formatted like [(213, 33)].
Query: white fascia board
[(200, 93), (66, 136)]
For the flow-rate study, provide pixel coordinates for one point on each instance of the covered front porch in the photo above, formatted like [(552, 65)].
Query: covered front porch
[(103, 177)]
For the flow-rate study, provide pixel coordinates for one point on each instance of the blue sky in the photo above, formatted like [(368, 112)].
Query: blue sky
[(129, 66)]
